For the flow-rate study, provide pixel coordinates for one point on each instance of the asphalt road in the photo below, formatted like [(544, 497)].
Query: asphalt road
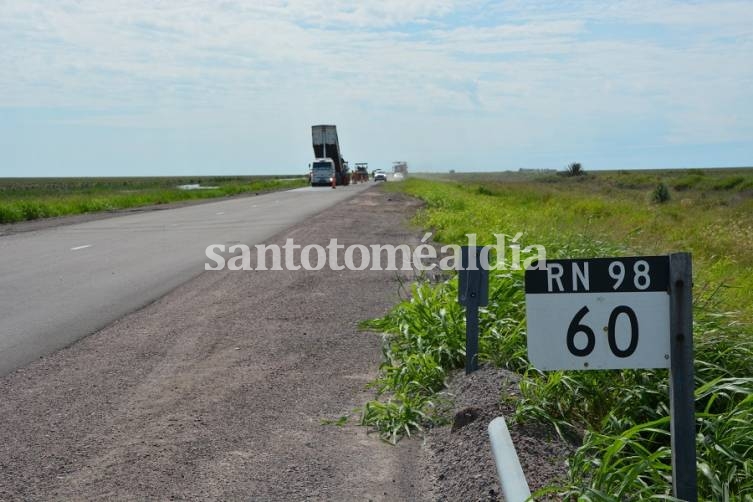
[(63, 283)]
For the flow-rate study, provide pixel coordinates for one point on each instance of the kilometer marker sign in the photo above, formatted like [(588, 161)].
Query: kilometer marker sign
[(600, 313), (619, 313)]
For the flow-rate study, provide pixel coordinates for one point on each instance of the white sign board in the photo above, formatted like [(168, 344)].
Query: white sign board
[(600, 313)]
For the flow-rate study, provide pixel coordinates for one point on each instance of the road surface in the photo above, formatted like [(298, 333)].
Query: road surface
[(235, 385), (63, 283)]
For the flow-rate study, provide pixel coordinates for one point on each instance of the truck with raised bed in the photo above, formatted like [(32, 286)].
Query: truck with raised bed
[(328, 167)]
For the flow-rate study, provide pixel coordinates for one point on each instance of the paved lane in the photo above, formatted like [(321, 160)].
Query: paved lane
[(60, 284)]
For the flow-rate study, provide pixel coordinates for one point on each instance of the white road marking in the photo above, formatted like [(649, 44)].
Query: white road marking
[(221, 212), (81, 247)]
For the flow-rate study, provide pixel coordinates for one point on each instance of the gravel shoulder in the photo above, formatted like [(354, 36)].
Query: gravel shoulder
[(218, 390), (457, 456)]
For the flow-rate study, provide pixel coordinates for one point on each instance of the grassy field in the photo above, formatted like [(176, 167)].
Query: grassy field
[(709, 213), (619, 418), (23, 199)]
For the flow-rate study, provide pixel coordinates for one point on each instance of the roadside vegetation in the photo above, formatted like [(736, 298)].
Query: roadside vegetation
[(23, 199), (619, 419)]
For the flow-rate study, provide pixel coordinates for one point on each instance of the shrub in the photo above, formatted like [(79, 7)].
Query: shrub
[(660, 193), (575, 169), (10, 213)]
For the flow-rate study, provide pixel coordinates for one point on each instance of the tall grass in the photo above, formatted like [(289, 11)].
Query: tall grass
[(26, 199), (619, 418)]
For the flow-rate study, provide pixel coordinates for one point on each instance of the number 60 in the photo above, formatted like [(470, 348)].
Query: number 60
[(576, 327)]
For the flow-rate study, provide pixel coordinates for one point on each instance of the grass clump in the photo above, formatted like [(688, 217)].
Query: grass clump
[(729, 183), (423, 339), (688, 182)]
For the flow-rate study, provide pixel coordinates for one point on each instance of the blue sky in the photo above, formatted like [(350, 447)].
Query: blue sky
[(130, 87)]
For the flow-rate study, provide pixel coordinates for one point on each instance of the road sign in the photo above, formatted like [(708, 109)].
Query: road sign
[(473, 292), (600, 313), (615, 313)]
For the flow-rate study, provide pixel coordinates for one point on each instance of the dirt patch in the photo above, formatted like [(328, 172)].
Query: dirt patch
[(219, 390), (458, 455)]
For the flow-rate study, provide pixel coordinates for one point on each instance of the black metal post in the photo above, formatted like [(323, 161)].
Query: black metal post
[(681, 383), (471, 338)]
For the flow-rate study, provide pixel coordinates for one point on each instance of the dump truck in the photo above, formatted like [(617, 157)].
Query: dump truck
[(328, 165)]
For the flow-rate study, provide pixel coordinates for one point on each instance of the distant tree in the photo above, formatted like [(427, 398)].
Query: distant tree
[(452, 171), (575, 169), (660, 193)]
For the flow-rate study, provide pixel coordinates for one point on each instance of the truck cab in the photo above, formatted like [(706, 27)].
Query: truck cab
[(322, 172)]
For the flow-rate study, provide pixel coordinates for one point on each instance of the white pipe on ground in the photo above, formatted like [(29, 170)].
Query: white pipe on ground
[(511, 478)]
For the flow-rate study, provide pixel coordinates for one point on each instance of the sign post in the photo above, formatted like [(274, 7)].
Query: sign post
[(681, 383), (473, 291), (621, 313)]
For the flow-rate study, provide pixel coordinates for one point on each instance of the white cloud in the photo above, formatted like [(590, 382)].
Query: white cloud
[(531, 69)]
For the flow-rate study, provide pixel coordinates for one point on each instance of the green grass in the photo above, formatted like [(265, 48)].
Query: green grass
[(23, 199), (619, 418), (715, 226)]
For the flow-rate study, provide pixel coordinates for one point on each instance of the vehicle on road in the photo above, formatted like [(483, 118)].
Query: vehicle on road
[(328, 167), (322, 172), (400, 166), (380, 176), (361, 173)]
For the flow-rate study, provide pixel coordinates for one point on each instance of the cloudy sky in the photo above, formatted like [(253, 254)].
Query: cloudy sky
[(136, 87)]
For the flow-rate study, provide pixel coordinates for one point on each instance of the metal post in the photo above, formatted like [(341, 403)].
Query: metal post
[(471, 338), (473, 291), (681, 383)]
